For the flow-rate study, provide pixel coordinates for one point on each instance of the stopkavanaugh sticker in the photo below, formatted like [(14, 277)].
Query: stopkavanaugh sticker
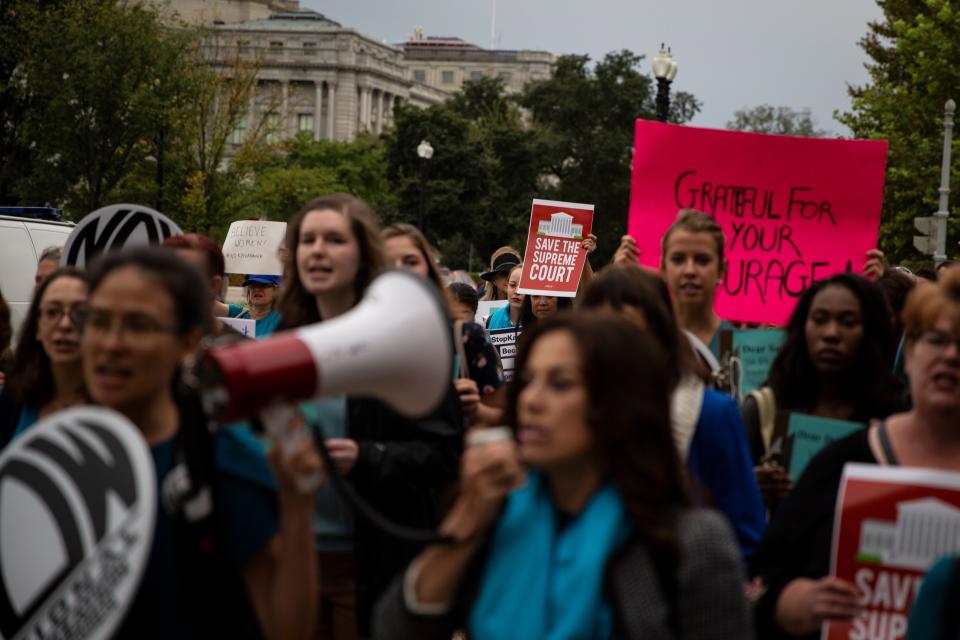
[(77, 511)]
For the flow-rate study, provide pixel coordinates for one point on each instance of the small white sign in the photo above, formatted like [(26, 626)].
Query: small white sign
[(253, 247), (244, 326), (505, 342)]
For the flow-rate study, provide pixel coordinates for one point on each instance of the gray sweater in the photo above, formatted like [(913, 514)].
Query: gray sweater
[(710, 603)]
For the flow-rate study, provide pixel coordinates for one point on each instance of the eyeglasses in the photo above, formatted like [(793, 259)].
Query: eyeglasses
[(939, 340), (53, 314), (137, 326)]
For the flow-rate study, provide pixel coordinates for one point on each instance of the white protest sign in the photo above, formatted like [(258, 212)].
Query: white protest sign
[(505, 342), (486, 308), (115, 227), (244, 326), (78, 502), (253, 247)]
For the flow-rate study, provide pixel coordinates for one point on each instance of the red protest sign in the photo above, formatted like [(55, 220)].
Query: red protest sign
[(793, 210), (891, 525), (554, 259)]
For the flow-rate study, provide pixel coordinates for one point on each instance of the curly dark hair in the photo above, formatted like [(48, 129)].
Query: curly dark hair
[(297, 306), (31, 379), (871, 387), (628, 415)]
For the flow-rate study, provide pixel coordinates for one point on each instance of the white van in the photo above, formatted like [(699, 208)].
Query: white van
[(22, 240)]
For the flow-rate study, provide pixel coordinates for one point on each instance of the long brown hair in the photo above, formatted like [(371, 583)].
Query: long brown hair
[(31, 378), (297, 305), (423, 246), (627, 379)]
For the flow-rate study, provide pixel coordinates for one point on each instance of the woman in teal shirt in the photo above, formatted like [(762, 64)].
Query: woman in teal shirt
[(261, 294)]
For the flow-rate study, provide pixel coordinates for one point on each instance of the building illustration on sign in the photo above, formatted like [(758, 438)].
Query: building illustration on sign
[(560, 225), (925, 530)]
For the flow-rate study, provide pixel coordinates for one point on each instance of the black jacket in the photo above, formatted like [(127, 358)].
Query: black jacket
[(403, 467)]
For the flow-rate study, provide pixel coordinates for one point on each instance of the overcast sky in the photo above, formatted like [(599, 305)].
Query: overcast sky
[(731, 53)]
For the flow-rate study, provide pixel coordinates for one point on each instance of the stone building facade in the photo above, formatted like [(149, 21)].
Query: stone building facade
[(318, 76), (446, 63)]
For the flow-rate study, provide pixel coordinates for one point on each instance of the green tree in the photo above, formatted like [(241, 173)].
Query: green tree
[(301, 169), (210, 147), (95, 80), (915, 68), (587, 118), (779, 120), (485, 169)]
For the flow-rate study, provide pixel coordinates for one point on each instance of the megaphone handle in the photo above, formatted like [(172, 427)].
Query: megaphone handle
[(363, 508), (279, 422)]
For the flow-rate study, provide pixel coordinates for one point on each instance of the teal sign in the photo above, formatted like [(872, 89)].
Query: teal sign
[(807, 435), (756, 350)]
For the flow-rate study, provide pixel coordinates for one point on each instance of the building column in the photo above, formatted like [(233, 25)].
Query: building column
[(368, 111), (347, 106), (317, 108), (381, 111), (285, 109), (331, 110)]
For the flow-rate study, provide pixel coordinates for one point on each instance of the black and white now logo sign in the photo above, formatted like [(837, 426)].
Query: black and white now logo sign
[(115, 227), (77, 510)]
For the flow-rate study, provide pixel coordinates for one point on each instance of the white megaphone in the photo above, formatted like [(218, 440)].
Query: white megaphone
[(395, 345)]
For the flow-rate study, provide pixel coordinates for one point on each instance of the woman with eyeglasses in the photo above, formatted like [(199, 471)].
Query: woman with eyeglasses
[(793, 560), (232, 545), (47, 371)]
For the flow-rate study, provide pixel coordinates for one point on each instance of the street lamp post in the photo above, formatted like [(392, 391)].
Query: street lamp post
[(665, 70), (425, 151), (943, 212)]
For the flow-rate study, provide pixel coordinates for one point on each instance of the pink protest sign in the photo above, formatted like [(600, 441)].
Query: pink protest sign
[(793, 210), (554, 259)]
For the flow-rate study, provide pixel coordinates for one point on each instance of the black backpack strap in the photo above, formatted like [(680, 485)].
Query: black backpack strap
[(885, 445)]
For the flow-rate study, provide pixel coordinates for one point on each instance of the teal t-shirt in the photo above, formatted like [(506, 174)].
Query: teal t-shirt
[(501, 319), (927, 614), (28, 416), (333, 519), (265, 325), (245, 495)]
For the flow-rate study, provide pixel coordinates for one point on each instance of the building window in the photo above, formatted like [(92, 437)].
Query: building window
[(276, 44), (273, 128), (446, 77), (420, 75), (239, 131), (309, 48), (243, 45), (476, 75), (506, 77), (305, 122)]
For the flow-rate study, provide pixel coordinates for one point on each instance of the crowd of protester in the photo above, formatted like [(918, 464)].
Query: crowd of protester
[(630, 495)]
